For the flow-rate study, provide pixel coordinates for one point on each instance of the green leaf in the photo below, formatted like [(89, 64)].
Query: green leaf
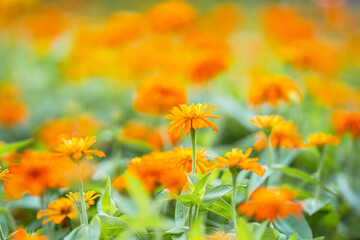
[(111, 226), (291, 225), (293, 237), (220, 207), (245, 232), (200, 186), (83, 232), (181, 213), (312, 205), (189, 200), (215, 193), (10, 147), (296, 173), (107, 204)]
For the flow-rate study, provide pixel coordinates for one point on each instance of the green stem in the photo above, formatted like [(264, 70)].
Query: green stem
[(193, 142), (233, 204), (350, 163), (83, 204), (196, 213), (2, 237), (319, 170), (269, 149), (190, 218)]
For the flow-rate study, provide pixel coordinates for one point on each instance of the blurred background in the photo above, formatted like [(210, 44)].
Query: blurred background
[(78, 68)]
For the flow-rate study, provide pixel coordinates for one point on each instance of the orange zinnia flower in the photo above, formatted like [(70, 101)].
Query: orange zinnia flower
[(4, 175), (171, 15), (57, 211), (187, 117), (237, 159), (270, 204), (89, 197), (21, 234), (266, 122), (321, 139), (76, 148), (34, 173), (347, 121), (158, 95), (284, 134), (182, 158), (272, 89)]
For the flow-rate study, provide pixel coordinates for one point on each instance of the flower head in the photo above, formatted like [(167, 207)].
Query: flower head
[(21, 234), (57, 211), (321, 139), (266, 123), (187, 117), (272, 89), (120, 182), (347, 121), (158, 95), (76, 148), (89, 197), (270, 204), (284, 134), (182, 158), (12, 112), (237, 159)]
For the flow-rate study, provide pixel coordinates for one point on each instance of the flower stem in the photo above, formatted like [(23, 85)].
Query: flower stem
[(83, 204), (190, 217), (269, 149), (319, 170), (233, 204), (193, 142), (2, 237)]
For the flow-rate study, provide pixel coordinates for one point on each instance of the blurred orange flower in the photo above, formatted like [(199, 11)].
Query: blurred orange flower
[(321, 139), (347, 121), (220, 236), (34, 173), (271, 204), (284, 134), (182, 158), (89, 197), (120, 182), (266, 122), (272, 89), (171, 15), (158, 95), (52, 133), (237, 159), (294, 28), (12, 112), (57, 211), (77, 148), (21, 234), (187, 117)]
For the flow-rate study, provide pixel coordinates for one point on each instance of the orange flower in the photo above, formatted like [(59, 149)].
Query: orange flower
[(76, 148), (89, 197), (237, 159), (120, 182), (266, 122), (293, 29), (182, 158), (347, 121), (284, 134), (171, 15), (52, 133), (272, 89), (187, 117), (220, 236), (21, 234), (4, 175), (12, 112), (155, 169), (158, 95), (57, 211), (34, 173), (321, 139), (270, 204)]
